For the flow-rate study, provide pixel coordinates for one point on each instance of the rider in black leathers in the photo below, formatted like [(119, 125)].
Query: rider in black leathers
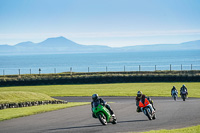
[(182, 89), (95, 98), (173, 89)]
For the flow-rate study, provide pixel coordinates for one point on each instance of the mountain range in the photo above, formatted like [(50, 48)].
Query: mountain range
[(62, 45)]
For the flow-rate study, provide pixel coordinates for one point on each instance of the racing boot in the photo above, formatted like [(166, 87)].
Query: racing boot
[(153, 107)]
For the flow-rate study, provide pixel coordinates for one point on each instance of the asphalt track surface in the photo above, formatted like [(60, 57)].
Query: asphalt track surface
[(170, 115)]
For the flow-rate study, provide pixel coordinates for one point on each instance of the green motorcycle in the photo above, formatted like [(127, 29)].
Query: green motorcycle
[(103, 114)]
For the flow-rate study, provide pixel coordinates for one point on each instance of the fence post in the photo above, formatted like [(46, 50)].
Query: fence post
[(191, 66), (71, 71), (139, 68), (55, 70), (155, 67), (30, 71), (170, 67), (106, 69), (39, 71), (19, 71), (124, 68), (181, 67)]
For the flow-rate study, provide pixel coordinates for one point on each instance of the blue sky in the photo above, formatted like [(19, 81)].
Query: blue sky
[(114, 23)]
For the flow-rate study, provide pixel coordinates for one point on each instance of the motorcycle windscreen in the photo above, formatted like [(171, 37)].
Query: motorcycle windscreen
[(184, 92)]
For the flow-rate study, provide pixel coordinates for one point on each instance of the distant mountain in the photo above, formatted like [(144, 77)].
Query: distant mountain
[(61, 45), (58, 42)]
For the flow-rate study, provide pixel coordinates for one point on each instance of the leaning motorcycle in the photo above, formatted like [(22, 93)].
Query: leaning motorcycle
[(147, 109), (175, 94), (103, 114)]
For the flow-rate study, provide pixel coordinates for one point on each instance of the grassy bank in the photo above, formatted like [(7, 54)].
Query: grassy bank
[(20, 112), (118, 89), (20, 96), (24, 96)]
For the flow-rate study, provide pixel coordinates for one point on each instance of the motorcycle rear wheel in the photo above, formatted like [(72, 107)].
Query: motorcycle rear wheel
[(154, 117)]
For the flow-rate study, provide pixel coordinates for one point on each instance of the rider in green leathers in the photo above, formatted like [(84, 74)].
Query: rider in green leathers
[(96, 99)]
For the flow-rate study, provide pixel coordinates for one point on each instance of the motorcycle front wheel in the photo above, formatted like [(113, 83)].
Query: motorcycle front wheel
[(183, 97), (175, 98), (148, 113), (102, 119)]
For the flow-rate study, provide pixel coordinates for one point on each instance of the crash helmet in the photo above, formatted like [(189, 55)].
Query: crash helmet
[(139, 94), (183, 86), (95, 97)]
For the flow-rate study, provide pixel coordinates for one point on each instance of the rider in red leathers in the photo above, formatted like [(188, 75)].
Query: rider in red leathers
[(142, 96)]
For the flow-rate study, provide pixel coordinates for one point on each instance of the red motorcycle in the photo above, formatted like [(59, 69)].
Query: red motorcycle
[(147, 109)]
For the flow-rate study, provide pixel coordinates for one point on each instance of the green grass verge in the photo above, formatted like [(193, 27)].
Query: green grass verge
[(118, 89), (19, 97), (26, 111), (193, 129)]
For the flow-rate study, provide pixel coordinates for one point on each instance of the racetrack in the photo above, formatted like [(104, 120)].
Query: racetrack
[(170, 114)]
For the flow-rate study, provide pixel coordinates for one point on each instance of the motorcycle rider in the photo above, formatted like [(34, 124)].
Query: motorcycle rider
[(183, 89), (174, 90), (95, 98), (142, 96)]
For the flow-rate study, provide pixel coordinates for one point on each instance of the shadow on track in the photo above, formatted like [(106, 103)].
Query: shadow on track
[(90, 126), (67, 128), (131, 121)]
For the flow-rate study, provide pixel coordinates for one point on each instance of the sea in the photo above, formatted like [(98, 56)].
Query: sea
[(99, 62)]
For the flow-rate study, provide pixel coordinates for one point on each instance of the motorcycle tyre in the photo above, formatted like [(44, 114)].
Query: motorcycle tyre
[(148, 115), (175, 98), (184, 97), (154, 117), (102, 120)]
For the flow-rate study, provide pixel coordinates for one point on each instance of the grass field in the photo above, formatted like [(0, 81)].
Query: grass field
[(20, 112), (193, 129), (118, 89)]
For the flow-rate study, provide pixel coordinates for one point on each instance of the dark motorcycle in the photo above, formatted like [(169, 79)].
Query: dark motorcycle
[(184, 95)]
